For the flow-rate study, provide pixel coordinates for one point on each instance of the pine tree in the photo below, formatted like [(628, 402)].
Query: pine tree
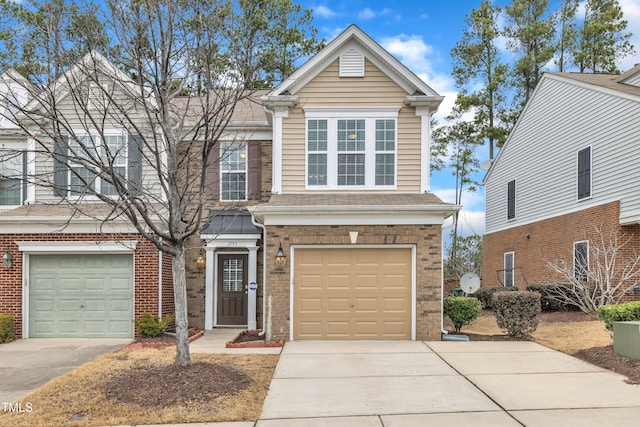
[(567, 33)]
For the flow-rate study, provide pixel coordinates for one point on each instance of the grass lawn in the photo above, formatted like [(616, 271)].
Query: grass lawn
[(143, 387)]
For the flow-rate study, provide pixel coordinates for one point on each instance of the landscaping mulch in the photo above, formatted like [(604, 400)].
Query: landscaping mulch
[(606, 358)]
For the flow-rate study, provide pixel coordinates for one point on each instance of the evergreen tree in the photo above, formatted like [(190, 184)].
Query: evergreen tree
[(480, 75), (531, 32), (567, 33), (602, 38)]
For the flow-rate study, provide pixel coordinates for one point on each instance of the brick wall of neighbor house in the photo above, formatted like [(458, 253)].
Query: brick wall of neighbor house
[(427, 239), (168, 303), (548, 240), (145, 264)]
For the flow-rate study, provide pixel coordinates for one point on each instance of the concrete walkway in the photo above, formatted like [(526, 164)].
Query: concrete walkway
[(391, 384)]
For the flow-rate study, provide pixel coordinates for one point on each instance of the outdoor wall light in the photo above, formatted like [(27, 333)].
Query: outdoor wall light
[(201, 262), (281, 258), (7, 259)]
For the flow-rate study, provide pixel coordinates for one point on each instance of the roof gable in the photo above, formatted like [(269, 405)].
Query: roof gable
[(350, 47)]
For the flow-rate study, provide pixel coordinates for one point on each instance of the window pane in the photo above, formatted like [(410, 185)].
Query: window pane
[(233, 186), (79, 180), (234, 157), (580, 260), (508, 269), (9, 192), (109, 189), (351, 135), (317, 169), (351, 169), (317, 135), (385, 135), (385, 168), (232, 276), (114, 148)]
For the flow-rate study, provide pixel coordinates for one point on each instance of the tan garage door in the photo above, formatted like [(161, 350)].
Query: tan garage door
[(348, 293)]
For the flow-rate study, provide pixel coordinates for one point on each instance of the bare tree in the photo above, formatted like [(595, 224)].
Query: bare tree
[(181, 71), (601, 274)]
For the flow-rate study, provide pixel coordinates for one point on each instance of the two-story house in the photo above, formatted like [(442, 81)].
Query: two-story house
[(351, 234), (70, 266), (321, 222), (568, 168)]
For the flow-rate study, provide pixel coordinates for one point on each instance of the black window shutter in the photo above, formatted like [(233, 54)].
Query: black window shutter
[(511, 199), (24, 176), (134, 153), (212, 179), (253, 170), (584, 173), (60, 166)]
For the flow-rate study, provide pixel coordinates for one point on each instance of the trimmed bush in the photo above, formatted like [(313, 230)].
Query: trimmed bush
[(628, 311), (517, 312), (484, 295), (152, 326), (7, 328), (461, 310), (545, 290)]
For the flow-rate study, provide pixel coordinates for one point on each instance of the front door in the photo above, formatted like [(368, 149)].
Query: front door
[(232, 289)]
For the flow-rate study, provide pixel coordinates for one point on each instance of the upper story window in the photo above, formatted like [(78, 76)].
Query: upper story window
[(233, 168), (351, 152), (581, 260), (11, 178), (93, 164), (511, 199), (584, 173)]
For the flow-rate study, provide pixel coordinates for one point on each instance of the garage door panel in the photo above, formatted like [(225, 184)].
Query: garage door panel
[(365, 293), (81, 295)]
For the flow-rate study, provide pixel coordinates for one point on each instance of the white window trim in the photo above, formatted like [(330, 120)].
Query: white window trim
[(513, 267), (577, 163), (332, 115), (98, 182), (245, 171)]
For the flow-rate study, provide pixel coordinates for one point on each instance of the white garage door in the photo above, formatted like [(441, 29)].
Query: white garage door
[(81, 296), (347, 293)]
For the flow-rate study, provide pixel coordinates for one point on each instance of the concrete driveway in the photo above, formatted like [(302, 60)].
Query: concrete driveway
[(25, 365), (374, 384)]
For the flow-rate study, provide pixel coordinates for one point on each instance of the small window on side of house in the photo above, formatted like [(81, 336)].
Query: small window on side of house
[(508, 268), (511, 199), (581, 260)]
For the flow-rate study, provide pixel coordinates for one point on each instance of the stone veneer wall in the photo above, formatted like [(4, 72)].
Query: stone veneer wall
[(426, 238), (145, 260)]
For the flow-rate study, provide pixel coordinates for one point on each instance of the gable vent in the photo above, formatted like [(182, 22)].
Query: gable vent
[(352, 64)]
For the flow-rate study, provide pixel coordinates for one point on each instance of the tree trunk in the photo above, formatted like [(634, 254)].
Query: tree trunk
[(180, 298)]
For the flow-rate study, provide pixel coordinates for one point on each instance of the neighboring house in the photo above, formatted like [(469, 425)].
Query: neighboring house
[(569, 166), (321, 221), (65, 273)]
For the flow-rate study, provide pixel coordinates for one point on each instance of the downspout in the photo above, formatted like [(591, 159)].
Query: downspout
[(442, 330), (160, 284), (264, 271)]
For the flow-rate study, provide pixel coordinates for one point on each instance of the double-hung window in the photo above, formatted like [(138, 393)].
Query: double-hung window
[(233, 168), (11, 173), (584, 173), (351, 149), (96, 162)]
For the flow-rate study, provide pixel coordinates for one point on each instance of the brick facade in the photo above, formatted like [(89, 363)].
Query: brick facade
[(146, 271), (549, 240), (426, 238)]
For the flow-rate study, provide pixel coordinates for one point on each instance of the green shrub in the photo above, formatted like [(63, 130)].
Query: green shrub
[(517, 312), (152, 326), (461, 310), (545, 290), (628, 311), (7, 328), (484, 295)]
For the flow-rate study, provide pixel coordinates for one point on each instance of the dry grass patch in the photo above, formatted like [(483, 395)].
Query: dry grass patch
[(143, 387)]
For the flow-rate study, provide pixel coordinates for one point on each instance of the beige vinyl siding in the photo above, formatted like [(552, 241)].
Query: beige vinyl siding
[(541, 155), (73, 116), (330, 90)]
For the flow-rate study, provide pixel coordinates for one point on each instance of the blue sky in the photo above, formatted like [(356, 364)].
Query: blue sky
[(421, 35)]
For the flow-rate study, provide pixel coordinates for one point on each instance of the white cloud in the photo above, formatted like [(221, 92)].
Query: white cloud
[(366, 14), (324, 12)]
